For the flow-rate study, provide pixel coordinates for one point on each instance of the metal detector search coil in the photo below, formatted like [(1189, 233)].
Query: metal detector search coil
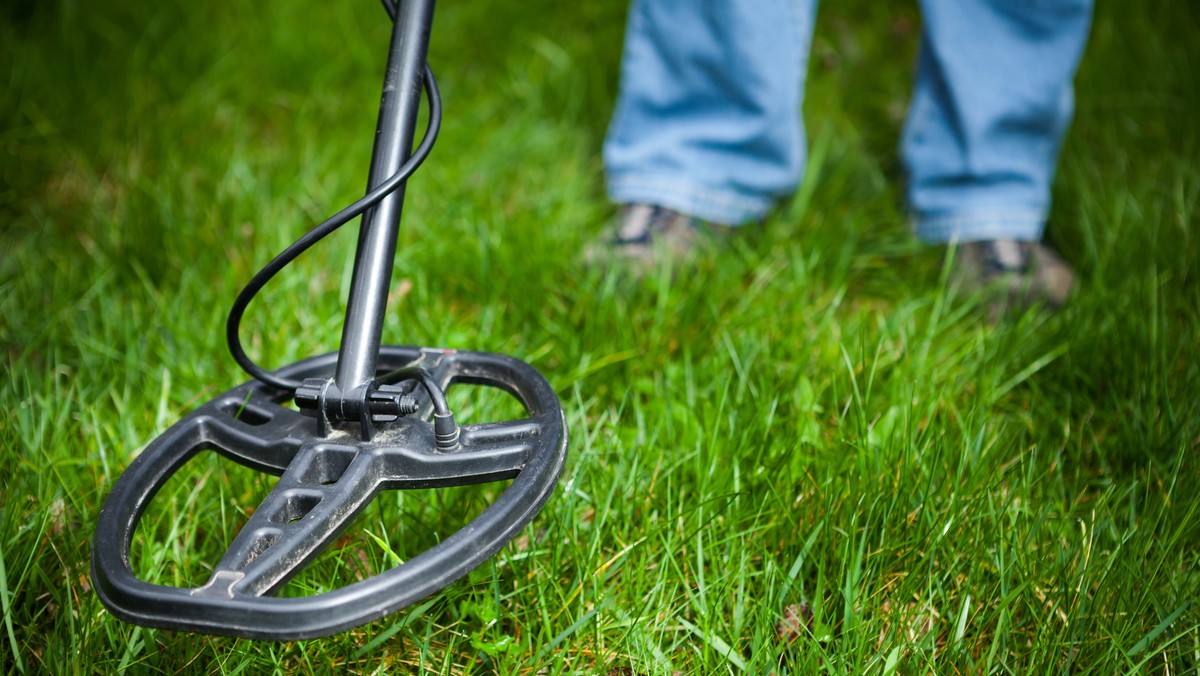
[(368, 418)]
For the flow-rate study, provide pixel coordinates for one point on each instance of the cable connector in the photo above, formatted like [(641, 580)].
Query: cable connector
[(445, 430)]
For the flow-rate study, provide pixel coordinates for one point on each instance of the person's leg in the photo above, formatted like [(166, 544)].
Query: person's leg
[(708, 121), (992, 102)]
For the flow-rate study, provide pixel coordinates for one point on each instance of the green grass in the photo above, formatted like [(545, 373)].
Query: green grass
[(811, 420)]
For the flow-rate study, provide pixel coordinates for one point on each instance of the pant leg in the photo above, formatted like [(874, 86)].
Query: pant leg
[(992, 102), (708, 118)]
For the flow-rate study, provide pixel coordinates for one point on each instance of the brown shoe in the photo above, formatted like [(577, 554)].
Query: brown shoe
[(646, 235), (1022, 274)]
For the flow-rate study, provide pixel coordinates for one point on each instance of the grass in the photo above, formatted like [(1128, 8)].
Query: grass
[(807, 456)]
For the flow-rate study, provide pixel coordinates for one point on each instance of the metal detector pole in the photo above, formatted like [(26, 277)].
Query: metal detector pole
[(398, 108), (323, 486)]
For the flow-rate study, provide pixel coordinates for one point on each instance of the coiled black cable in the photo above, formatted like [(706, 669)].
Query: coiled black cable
[(373, 197)]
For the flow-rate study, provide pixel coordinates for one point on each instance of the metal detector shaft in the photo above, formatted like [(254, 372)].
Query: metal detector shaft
[(394, 133)]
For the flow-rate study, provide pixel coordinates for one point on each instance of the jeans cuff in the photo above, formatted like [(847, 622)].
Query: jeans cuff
[(1020, 225), (724, 206)]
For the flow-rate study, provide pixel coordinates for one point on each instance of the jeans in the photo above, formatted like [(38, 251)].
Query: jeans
[(708, 119)]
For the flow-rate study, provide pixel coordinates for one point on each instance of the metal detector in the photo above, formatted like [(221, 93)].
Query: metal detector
[(366, 419)]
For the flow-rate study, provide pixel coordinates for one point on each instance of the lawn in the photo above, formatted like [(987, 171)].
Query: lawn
[(810, 453)]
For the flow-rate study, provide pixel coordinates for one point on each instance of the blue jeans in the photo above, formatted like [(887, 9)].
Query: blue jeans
[(708, 119)]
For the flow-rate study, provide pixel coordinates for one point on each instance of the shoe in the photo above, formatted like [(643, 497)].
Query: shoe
[(1021, 274), (646, 235)]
